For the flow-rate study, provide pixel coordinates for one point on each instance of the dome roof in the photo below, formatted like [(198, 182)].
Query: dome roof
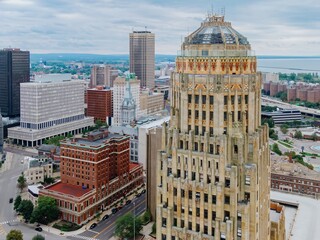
[(214, 30)]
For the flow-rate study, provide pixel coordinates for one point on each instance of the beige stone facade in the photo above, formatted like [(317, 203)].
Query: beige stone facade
[(277, 217), (214, 168), (151, 102)]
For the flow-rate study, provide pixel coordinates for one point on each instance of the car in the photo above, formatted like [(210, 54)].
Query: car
[(105, 217), (93, 225), (114, 210), (120, 207), (128, 202), (39, 229), (138, 195), (143, 191), (11, 200)]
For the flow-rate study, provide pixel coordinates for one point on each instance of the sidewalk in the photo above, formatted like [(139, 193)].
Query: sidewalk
[(85, 227)]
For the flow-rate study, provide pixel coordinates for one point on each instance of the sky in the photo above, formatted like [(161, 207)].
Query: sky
[(273, 27)]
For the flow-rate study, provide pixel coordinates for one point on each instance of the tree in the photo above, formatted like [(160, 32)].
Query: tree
[(275, 148), (298, 134), (48, 180), (22, 182), (284, 128), (26, 209), (38, 237), (46, 212), (14, 235), (17, 202), (127, 226)]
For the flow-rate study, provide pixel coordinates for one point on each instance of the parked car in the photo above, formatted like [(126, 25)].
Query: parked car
[(114, 210), (39, 229), (93, 225), (11, 200), (138, 195), (105, 217), (128, 202), (143, 191)]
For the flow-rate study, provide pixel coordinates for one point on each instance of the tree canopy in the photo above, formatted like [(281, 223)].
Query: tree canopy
[(46, 212), (127, 226), (17, 202), (38, 237), (26, 209), (21, 182), (14, 235)]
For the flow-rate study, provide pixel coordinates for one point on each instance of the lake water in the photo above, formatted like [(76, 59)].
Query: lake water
[(290, 65)]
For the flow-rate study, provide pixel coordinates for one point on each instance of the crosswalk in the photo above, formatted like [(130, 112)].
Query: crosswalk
[(82, 237), (8, 222)]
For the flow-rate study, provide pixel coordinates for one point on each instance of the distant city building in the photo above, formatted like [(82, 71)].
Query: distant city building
[(151, 102), (99, 104), (119, 89), (50, 109), (270, 77), (106, 176), (1, 134), (283, 116), (165, 89), (304, 93), (14, 69), (103, 75), (39, 169), (142, 57), (288, 176)]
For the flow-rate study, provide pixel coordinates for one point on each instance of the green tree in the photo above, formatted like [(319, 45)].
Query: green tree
[(284, 128), (26, 209), (22, 182), (298, 134), (17, 202), (46, 212), (127, 226), (48, 180), (275, 148), (38, 237), (14, 235)]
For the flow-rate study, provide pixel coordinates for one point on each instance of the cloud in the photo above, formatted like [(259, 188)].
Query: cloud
[(274, 27)]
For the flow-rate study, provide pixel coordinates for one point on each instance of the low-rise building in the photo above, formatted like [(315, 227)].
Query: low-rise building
[(95, 172), (293, 177), (277, 218), (39, 169), (283, 116)]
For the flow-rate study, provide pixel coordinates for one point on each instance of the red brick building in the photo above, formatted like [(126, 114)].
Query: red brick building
[(95, 171), (99, 102)]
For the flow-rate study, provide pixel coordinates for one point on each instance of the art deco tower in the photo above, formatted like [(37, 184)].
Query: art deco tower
[(213, 180)]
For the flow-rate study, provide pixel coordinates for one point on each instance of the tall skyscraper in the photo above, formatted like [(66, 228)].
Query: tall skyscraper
[(103, 75), (14, 69), (214, 171), (142, 59)]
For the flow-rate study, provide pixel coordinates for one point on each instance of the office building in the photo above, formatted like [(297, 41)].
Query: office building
[(103, 75), (1, 134), (283, 116), (49, 109), (142, 57), (91, 185), (99, 104), (213, 175), (14, 69), (119, 90), (151, 102)]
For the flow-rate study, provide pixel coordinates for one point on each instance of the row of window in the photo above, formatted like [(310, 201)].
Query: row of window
[(196, 99)]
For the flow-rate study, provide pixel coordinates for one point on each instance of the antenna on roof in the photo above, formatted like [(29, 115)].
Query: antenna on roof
[(145, 27)]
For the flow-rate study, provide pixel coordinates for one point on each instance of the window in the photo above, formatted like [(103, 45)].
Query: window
[(248, 180), (227, 199), (232, 100), (203, 115), (196, 99), (211, 116), (206, 197), (190, 194), (246, 99), (174, 222), (239, 99), (225, 100), (225, 116), (196, 114), (211, 99), (204, 99), (164, 222), (189, 113), (205, 213), (235, 149), (214, 199), (211, 149), (189, 98)]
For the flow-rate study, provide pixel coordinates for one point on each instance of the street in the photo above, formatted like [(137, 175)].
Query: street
[(105, 229)]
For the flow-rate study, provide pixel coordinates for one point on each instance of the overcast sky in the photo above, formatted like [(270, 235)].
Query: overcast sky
[(273, 27)]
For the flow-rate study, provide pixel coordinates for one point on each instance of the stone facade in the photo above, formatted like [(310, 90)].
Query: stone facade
[(214, 170), (277, 216)]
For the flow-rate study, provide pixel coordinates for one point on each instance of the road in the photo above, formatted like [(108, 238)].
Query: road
[(105, 229)]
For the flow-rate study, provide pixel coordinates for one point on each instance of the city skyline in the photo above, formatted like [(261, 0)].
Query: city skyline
[(102, 27)]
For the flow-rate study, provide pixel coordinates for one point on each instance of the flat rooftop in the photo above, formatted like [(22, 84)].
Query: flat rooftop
[(281, 165), (64, 188)]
